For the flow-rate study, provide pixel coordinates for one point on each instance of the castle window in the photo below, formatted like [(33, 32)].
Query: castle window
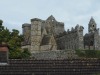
[(93, 25)]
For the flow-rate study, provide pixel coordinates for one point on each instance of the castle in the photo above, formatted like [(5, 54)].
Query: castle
[(46, 35)]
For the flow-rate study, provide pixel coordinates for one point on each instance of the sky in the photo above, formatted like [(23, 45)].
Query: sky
[(14, 13)]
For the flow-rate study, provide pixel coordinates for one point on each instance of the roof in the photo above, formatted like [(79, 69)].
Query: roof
[(4, 45), (92, 21), (51, 67)]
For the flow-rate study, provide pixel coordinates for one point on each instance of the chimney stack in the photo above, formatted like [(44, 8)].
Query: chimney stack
[(4, 54)]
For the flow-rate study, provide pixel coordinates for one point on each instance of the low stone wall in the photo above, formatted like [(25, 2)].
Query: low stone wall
[(55, 54)]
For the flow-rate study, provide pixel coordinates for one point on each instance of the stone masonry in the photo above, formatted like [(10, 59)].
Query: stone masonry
[(47, 35), (71, 39), (41, 34), (92, 38)]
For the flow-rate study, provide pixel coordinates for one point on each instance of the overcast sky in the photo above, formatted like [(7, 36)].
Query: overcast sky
[(16, 12)]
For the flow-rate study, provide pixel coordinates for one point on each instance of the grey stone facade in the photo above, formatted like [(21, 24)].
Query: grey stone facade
[(40, 34), (92, 38), (49, 34), (71, 39), (55, 54)]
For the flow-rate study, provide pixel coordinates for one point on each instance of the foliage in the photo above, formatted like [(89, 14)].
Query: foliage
[(88, 53), (25, 54), (80, 53), (98, 54), (15, 54), (13, 39)]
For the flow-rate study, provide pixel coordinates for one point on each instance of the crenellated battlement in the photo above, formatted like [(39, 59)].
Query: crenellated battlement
[(26, 25), (35, 19), (71, 39), (76, 29)]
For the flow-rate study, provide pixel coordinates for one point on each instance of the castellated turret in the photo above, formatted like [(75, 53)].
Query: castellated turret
[(92, 26), (80, 41), (35, 34), (92, 38), (26, 33)]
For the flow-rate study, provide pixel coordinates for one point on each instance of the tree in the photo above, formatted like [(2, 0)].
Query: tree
[(80, 53), (13, 39), (25, 54)]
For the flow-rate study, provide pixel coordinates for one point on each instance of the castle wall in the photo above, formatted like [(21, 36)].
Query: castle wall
[(46, 47), (61, 42), (89, 41), (54, 27), (71, 39), (97, 40), (55, 54), (59, 28), (26, 47)]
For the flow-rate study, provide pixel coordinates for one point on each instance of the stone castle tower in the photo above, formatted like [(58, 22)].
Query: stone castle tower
[(35, 34), (92, 25), (26, 33), (92, 38)]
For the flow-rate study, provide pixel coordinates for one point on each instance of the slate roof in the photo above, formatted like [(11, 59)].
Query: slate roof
[(50, 67)]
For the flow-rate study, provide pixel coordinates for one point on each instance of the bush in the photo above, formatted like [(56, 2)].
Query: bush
[(25, 54), (80, 53), (88, 53), (14, 40)]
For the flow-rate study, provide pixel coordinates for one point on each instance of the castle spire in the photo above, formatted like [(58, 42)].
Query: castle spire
[(92, 21), (92, 25)]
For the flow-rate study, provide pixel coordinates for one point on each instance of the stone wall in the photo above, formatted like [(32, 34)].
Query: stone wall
[(92, 38), (97, 39), (53, 26), (71, 39), (55, 54), (26, 47)]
